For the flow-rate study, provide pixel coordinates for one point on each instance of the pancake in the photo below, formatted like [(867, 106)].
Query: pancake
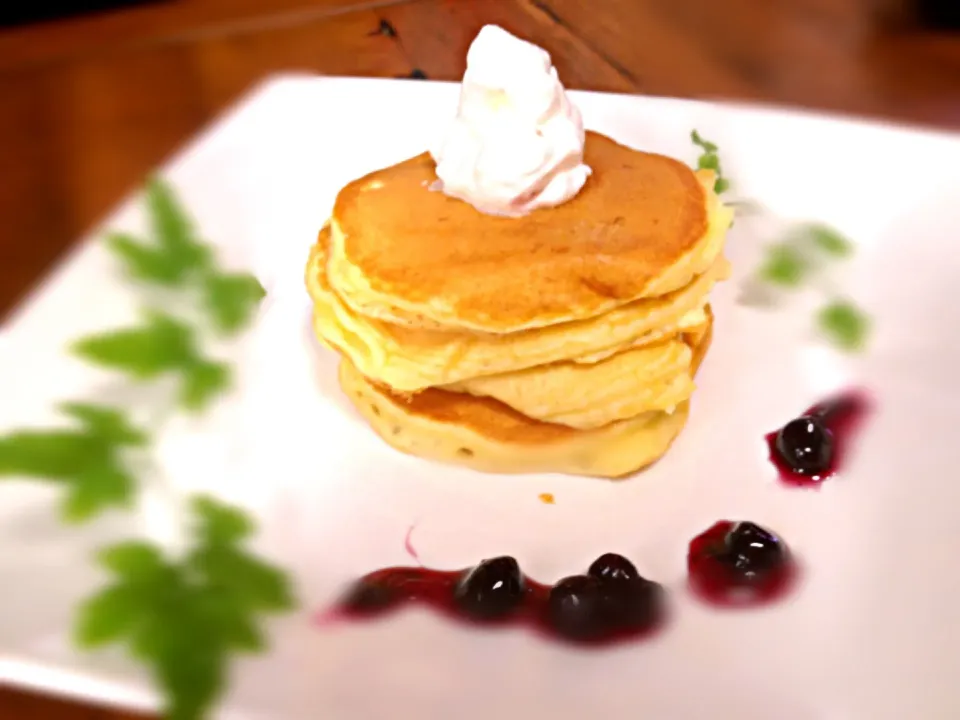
[(486, 435), (411, 359), (589, 395), (643, 226)]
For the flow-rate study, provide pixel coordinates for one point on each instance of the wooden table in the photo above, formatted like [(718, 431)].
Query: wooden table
[(88, 106)]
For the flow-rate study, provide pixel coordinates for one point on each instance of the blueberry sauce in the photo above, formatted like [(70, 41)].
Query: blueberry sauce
[(739, 564), (811, 448), (611, 602), (408, 547)]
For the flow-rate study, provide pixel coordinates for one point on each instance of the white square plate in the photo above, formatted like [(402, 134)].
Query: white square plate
[(874, 631)]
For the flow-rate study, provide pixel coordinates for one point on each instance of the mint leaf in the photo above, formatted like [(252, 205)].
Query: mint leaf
[(707, 146), (107, 423), (86, 462), (173, 230), (784, 265), (190, 662), (218, 523), (234, 623), (255, 584), (184, 618), (710, 160), (829, 240), (844, 324), (146, 263), (168, 220), (48, 454), (134, 560), (174, 254), (106, 617), (163, 343), (201, 382), (96, 488), (220, 528), (231, 299)]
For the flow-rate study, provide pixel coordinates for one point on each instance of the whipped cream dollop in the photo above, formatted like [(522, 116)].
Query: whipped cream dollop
[(516, 142)]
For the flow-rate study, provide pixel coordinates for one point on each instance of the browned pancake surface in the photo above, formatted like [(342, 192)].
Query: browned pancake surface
[(638, 214)]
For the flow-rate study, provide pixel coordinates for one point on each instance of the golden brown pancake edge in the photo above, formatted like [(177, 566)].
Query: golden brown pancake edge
[(637, 219)]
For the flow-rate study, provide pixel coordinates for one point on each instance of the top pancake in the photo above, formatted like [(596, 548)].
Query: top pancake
[(643, 226)]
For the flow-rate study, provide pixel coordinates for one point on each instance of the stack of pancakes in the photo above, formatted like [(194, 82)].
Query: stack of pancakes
[(565, 340)]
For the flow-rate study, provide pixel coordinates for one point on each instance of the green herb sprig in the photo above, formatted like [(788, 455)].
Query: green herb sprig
[(86, 460), (797, 258), (844, 324), (174, 258), (182, 617), (161, 345), (803, 252), (710, 160)]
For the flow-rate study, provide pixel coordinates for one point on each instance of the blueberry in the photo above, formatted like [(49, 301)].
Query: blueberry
[(575, 608), (628, 600), (806, 445), (632, 607), (491, 590), (752, 551), (613, 568)]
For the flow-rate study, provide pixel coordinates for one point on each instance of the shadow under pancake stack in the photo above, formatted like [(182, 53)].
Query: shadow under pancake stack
[(565, 340)]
